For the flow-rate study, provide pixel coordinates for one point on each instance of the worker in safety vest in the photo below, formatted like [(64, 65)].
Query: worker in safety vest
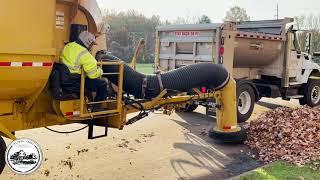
[(76, 55)]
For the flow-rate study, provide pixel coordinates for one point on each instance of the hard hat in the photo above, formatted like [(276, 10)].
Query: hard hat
[(87, 38)]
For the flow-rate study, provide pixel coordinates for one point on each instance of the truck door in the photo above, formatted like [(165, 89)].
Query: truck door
[(296, 59)]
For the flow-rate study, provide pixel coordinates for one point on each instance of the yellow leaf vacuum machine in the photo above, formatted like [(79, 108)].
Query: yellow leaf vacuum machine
[(34, 93)]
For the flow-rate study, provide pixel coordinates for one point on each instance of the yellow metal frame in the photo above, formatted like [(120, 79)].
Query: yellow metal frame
[(139, 47), (40, 110), (83, 104), (48, 112), (227, 108), (157, 55), (225, 99)]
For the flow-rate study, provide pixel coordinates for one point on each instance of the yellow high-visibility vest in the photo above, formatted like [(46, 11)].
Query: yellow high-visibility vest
[(75, 57)]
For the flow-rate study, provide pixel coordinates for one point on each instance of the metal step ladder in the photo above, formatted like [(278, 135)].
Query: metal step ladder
[(100, 118)]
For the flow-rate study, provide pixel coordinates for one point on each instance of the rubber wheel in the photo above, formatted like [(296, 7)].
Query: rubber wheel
[(302, 101), (311, 92), (3, 148), (189, 108), (245, 102), (230, 137), (258, 98)]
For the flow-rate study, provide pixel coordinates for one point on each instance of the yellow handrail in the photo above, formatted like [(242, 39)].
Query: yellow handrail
[(83, 104)]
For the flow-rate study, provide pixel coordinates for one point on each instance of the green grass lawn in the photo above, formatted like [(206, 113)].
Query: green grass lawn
[(283, 170), (145, 68)]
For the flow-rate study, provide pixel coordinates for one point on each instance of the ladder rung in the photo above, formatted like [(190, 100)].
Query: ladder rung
[(110, 73), (100, 113), (100, 102)]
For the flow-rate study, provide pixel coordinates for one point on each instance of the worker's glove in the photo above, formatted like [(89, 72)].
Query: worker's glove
[(100, 71)]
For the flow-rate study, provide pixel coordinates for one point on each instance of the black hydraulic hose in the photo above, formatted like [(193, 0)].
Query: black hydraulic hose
[(66, 132), (210, 75)]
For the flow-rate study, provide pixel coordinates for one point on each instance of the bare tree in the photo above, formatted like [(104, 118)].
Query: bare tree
[(127, 28), (181, 20), (236, 14), (185, 20), (309, 24)]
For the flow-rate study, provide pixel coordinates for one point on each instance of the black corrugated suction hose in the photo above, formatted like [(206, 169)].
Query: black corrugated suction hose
[(210, 75)]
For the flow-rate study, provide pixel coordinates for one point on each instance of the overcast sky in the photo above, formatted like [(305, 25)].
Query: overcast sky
[(256, 9)]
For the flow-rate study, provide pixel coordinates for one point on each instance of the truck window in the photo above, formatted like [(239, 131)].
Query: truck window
[(295, 45), (316, 57)]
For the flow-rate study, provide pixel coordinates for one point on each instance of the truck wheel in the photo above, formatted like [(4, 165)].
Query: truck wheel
[(245, 101), (302, 101), (311, 93), (189, 107), (258, 98), (3, 148)]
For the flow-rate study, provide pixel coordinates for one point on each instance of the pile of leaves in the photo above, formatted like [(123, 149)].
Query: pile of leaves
[(286, 134)]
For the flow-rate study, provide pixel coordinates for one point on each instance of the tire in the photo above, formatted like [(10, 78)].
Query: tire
[(302, 101), (211, 112), (258, 98), (231, 137), (189, 107), (245, 102), (311, 92), (3, 148)]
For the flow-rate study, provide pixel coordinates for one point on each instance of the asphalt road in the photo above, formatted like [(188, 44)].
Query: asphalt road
[(157, 147)]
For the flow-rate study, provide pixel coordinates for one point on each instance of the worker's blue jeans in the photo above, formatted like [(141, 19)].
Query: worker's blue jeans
[(99, 86)]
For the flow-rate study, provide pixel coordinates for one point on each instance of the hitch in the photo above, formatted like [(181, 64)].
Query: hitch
[(103, 122), (140, 116)]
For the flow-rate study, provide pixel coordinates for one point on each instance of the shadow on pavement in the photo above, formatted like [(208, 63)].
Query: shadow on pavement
[(218, 161), (269, 105)]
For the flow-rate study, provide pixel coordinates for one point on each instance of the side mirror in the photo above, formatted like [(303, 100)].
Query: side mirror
[(308, 43), (105, 28), (291, 29)]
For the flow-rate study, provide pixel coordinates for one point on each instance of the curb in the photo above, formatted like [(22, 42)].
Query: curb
[(249, 172)]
